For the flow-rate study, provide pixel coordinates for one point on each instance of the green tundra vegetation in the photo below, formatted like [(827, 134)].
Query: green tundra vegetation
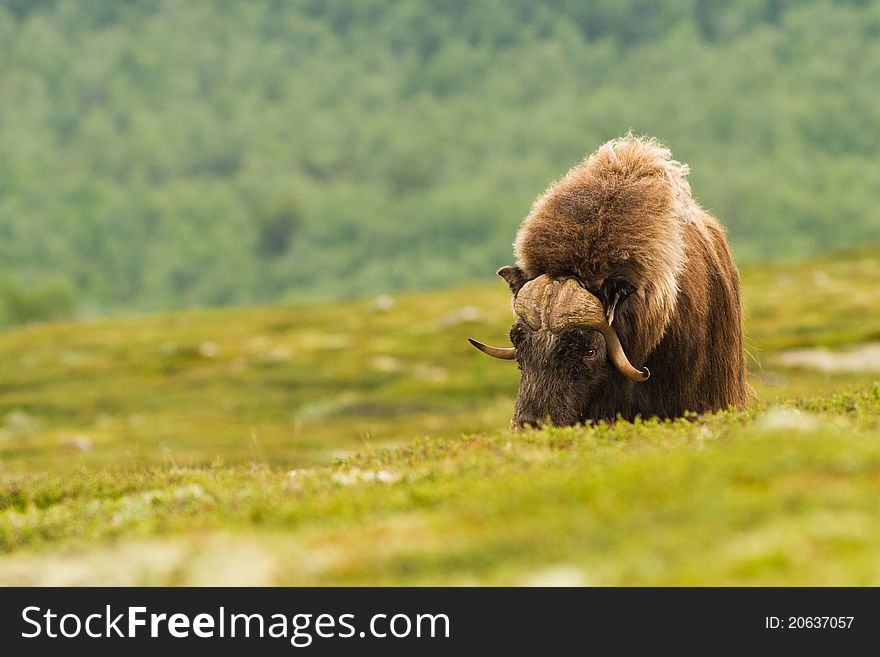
[(363, 442), (163, 154)]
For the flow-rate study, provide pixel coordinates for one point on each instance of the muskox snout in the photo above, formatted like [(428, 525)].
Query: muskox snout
[(536, 415), (534, 421), (526, 416)]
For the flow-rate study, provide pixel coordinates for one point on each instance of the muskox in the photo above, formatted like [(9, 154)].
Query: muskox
[(626, 298)]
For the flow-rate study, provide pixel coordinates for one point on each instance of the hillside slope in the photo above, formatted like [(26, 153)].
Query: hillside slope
[(294, 385), (362, 443)]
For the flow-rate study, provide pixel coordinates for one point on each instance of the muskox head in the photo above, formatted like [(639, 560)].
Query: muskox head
[(566, 348)]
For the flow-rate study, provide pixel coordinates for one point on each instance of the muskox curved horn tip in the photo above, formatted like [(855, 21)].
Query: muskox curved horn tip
[(504, 353), (635, 374)]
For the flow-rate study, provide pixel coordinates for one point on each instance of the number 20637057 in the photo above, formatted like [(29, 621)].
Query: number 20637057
[(808, 622)]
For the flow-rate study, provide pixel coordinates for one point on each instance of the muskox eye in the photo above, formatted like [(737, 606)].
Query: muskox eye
[(590, 354)]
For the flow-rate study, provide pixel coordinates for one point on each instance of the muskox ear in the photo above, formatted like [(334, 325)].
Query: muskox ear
[(514, 276)]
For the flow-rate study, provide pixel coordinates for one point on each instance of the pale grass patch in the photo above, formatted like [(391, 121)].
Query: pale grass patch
[(555, 576), (786, 419), (386, 364), (209, 349), (315, 341), (353, 476), (194, 560), (865, 358)]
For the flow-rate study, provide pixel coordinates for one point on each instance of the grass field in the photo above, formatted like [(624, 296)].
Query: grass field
[(365, 443)]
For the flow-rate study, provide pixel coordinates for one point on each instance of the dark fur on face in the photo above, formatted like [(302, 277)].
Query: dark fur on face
[(623, 224), (561, 375)]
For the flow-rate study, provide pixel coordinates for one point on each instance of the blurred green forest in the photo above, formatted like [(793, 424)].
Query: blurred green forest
[(175, 153)]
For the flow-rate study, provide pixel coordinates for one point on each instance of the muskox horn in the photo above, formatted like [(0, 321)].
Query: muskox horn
[(572, 305), (504, 353), (618, 356), (534, 300)]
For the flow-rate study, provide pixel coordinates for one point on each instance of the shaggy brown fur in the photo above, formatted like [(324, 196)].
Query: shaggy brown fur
[(624, 224)]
